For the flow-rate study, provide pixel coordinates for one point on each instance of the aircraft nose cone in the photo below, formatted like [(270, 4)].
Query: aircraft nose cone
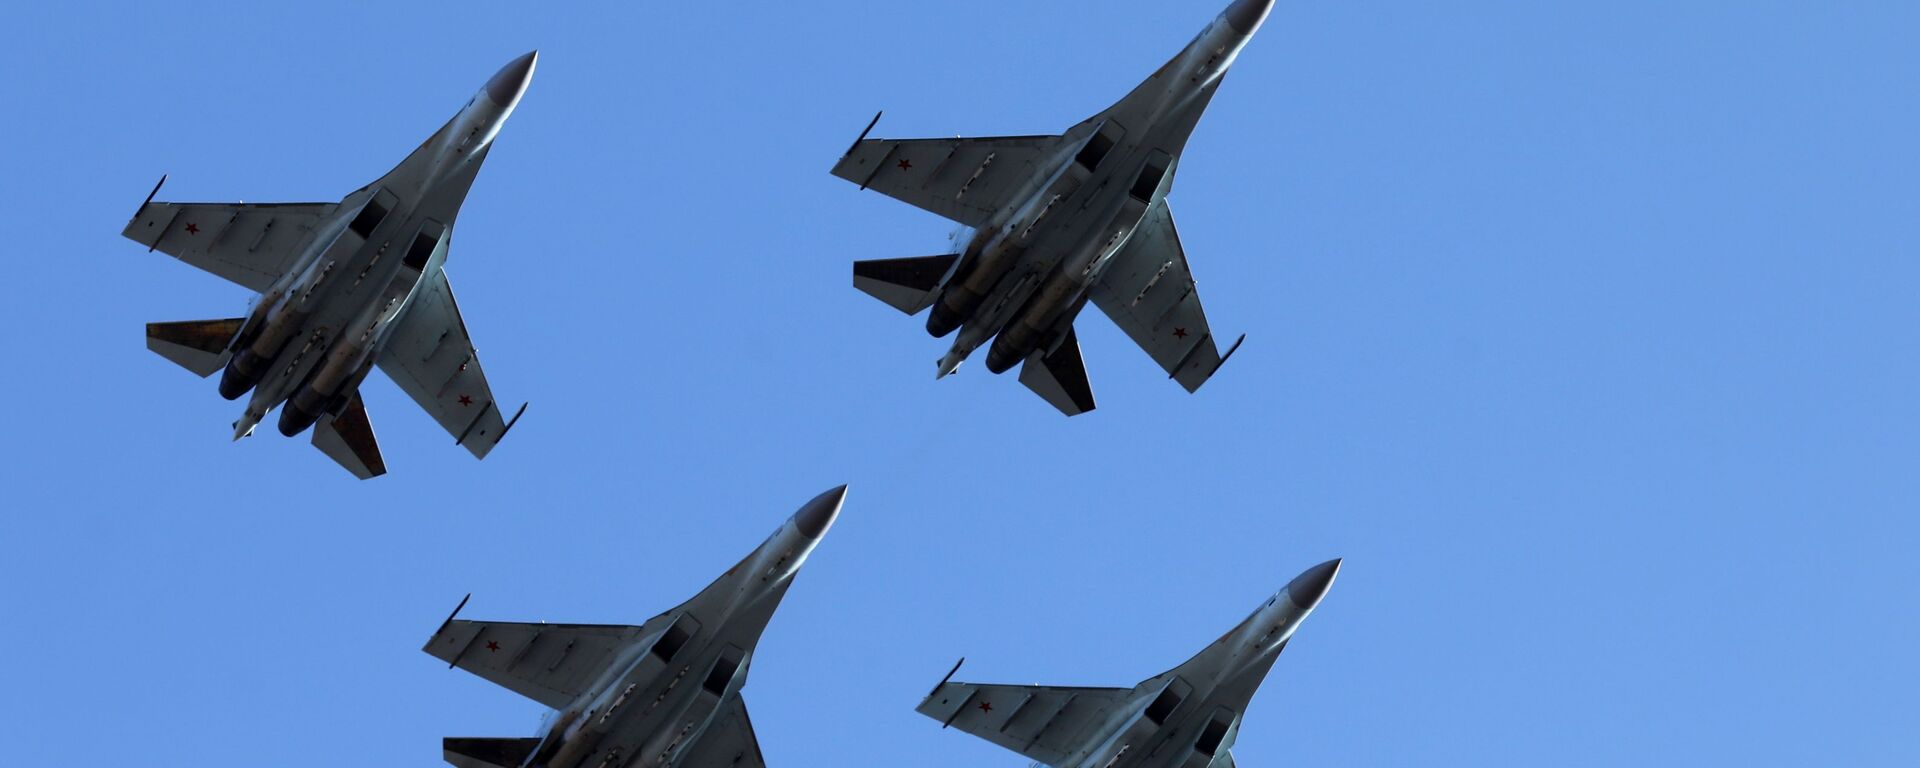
[(817, 516), (1246, 15), (1307, 588), (511, 81)]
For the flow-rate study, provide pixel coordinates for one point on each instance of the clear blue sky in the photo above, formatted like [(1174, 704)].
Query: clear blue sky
[(1588, 334)]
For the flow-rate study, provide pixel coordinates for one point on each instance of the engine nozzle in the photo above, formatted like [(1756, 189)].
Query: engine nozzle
[(241, 374)]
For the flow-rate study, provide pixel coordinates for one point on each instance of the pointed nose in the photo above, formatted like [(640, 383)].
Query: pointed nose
[(817, 516), (511, 81), (1307, 588), (1246, 15)]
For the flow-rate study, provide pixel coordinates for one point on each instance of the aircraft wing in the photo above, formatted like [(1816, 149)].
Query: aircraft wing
[(727, 743), (1045, 723), (252, 244), (1150, 294), (431, 357), (965, 180), (549, 663)]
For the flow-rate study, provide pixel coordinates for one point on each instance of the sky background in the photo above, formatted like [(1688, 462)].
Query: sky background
[(1586, 333)]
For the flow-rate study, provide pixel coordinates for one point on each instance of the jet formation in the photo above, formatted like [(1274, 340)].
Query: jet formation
[(665, 693), (1186, 717), (1059, 221), (344, 287)]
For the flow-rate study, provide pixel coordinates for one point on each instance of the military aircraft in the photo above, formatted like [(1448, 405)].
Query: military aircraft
[(344, 286), (1057, 221), (665, 693), (1186, 717)]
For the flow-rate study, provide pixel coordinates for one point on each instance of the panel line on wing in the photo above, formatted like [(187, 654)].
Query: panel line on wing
[(174, 213), (1204, 341), (564, 652), (1015, 714), (877, 167), (264, 232), (1071, 698), (525, 649), (221, 236), (935, 173), (474, 423), (972, 694), (463, 650)]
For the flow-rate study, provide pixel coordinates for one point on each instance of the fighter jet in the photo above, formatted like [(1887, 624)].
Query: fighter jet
[(1057, 221), (1186, 717), (665, 693), (342, 287)]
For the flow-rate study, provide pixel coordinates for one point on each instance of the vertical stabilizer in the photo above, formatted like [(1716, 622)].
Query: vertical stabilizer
[(1060, 378), (348, 439)]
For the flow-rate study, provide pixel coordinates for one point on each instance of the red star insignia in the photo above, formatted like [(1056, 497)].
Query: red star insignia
[(192, 228), (905, 164), (492, 646), (464, 400), (1179, 333), (985, 707)]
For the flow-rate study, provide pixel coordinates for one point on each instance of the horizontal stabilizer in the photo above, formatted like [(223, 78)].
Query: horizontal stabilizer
[(488, 753), (196, 345), (905, 284), (1060, 378), (348, 440)]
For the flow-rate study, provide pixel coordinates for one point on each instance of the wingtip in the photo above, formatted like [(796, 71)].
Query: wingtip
[(510, 422), (950, 673), (456, 612), (156, 190), (1230, 350), (863, 133)]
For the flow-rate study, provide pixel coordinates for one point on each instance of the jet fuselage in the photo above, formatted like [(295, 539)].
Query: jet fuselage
[(1025, 275), (1186, 717), (314, 335), (662, 692), (1190, 716)]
